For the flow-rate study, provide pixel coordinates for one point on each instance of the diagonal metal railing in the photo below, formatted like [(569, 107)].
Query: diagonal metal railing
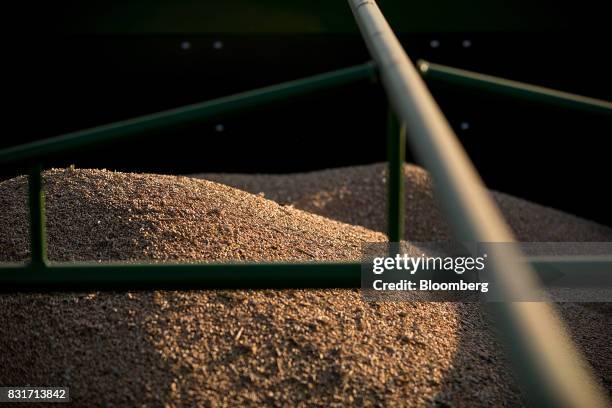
[(548, 363), (199, 112), (546, 358)]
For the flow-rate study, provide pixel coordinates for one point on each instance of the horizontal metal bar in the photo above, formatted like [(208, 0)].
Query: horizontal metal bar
[(179, 276), (115, 276), (469, 79), (547, 362), (574, 269), (185, 115), (573, 263)]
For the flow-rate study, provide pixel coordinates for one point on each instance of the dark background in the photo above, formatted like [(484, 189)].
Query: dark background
[(93, 64)]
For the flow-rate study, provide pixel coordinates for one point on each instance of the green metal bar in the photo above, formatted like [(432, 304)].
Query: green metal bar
[(468, 79), (113, 276), (175, 276), (189, 114), (573, 264), (396, 150), (38, 247), (573, 268)]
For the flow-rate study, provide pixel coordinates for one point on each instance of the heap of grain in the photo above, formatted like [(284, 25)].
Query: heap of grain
[(196, 348)]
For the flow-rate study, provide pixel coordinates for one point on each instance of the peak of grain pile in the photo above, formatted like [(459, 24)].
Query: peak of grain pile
[(236, 348), (357, 195)]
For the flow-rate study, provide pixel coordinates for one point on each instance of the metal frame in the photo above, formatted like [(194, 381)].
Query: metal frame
[(547, 361), (550, 366), (39, 274)]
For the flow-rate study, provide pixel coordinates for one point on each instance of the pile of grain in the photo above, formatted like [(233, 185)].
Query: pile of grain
[(198, 348), (217, 347)]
